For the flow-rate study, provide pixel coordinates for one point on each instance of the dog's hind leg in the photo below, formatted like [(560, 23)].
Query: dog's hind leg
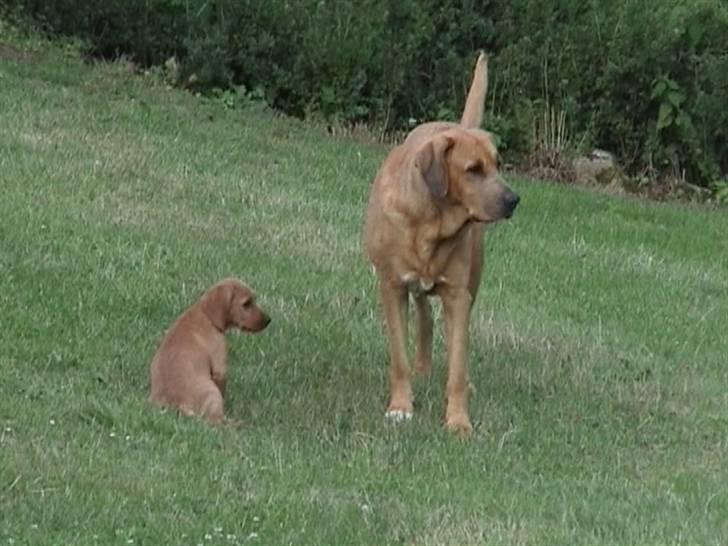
[(456, 307), (423, 339)]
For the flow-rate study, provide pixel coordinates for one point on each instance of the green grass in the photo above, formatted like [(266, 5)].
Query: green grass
[(598, 342)]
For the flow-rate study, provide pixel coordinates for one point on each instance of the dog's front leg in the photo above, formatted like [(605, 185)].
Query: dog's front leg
[(394, 304), (456, 306), (218, 371), (423, 340)]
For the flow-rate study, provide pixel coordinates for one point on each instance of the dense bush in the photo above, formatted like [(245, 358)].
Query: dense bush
[(646, 80)]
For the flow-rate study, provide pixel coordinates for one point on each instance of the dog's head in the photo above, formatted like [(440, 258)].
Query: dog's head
[(460, 167), (231, 304)]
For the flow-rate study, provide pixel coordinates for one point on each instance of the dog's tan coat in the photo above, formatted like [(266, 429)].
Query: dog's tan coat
[(423, 234), (189, 370)]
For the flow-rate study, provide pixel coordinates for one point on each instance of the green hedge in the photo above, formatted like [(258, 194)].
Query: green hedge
[(647, 80)]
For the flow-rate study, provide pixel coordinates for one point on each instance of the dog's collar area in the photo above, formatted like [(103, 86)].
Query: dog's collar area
[(419, 286)]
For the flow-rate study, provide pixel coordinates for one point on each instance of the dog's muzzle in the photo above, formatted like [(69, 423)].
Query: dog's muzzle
[(510, 202)]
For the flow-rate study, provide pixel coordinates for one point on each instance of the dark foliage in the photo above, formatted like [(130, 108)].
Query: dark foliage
[(647, 80)]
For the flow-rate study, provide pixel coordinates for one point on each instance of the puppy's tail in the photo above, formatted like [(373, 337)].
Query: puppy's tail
[(474, 104)]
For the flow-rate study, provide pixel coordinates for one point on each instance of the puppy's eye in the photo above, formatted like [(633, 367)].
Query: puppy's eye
[(247, 304)]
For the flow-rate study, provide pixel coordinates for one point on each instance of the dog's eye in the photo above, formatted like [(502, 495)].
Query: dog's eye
[(247, 304), (475, 168)]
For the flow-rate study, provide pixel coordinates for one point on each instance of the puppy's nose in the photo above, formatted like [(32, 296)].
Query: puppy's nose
[(510, 202), (266, 320)]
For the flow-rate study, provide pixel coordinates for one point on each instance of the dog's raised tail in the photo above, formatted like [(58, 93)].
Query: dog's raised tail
[(475, 103)]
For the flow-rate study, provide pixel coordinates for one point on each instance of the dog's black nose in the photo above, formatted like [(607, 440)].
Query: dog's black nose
[(510, 202), (267, 320)]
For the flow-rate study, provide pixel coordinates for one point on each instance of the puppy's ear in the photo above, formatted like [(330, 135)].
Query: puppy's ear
[(216, 305), (431, 161)]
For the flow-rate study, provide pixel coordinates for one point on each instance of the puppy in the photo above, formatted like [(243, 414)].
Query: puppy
[(189, 369)]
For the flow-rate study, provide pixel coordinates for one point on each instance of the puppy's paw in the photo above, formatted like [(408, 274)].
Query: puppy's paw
[(234, 423)]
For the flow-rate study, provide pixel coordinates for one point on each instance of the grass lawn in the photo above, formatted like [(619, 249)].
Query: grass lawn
[(598, 346)]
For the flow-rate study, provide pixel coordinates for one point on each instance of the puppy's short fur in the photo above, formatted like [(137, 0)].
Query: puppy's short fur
[(429, 203), (189, 369)]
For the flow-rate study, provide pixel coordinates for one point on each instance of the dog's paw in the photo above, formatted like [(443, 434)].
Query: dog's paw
[(459, 426), (397, 416)]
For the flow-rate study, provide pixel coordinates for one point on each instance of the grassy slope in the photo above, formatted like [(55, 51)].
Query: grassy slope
[(598, 346)]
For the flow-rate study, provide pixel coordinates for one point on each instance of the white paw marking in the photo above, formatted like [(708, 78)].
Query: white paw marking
[(397, 416)]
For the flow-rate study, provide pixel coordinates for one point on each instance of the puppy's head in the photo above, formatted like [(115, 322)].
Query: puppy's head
[(460, 167), (231, 304)]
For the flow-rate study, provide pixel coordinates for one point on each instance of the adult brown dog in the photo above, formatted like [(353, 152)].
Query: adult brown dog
[(423, 233), (189, 370)]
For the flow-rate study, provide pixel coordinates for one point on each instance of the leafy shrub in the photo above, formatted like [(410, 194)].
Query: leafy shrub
[(646, 80), (148, 30)]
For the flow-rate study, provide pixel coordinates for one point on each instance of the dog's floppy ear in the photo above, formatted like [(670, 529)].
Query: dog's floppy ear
[(430, 160), (216, 304)]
